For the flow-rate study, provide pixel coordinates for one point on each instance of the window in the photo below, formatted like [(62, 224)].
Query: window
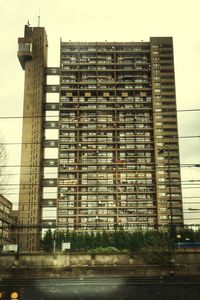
[(161, 172), (156, 65), (162, 217), (25, 47), (162, 194)]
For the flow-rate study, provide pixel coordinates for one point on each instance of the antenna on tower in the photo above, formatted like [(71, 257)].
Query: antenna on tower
[(39, 19)]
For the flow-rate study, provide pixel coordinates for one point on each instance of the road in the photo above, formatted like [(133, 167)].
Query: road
[(115, 288)]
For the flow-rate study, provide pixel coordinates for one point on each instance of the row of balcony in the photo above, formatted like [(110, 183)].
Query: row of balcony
[(110, 118), (101, 216), (105, 210), (100, 81), (106, 49), (115, 54), (92, 168), (86, 56), (105, 101), (102, 139), (106, 104), (106, 76), (136, 102), (54, 163), (106, 87), (107, 127), (109, 109), (111, 68), (100, 123), (133, 146), (64, 222), (80, 63)]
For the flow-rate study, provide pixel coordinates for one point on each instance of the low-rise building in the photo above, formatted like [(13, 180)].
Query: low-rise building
[(6, 221)]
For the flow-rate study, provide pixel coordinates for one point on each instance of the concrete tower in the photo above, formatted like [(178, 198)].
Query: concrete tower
[(32, 54)]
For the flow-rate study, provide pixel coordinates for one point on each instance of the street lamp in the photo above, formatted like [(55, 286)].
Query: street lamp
[(178, 239)]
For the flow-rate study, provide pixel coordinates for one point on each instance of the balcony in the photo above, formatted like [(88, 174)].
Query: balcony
[(52, 71), (49, 182), (50, 144), (24, 53), (52, 88), (50, 162), (52, 106), (51, 124)]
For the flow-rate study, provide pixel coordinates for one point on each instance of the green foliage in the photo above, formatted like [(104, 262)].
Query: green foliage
[(153, 241), (157, 238), (73, 241), (80, 244), (48, 241), (98, 240), (89, 241), (157, 246), (59, 237), (156, 255), (136, 240), (67, 237), (101, 250), (105, 239)]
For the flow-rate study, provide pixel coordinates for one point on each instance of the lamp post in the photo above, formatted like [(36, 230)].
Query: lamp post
[(178, 239)]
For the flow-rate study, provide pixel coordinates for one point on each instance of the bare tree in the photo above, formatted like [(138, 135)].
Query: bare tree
[(3, 161)]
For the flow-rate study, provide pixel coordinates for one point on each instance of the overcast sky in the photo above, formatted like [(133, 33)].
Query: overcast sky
[(112, 20)]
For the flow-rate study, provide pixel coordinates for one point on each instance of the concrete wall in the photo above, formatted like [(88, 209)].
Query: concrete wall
[(188, 258), (63, 260), (72, 259)]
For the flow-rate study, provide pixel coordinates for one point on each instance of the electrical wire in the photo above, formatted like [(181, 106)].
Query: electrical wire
[(56, 140), (185, 210), (176, 165), (192, 197), (67, 226), (53, 116), (173, 184)]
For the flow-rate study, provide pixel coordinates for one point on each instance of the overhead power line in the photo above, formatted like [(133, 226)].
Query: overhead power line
[(172, 165), (56, 115), (43, 143), (191, 219), (136, 184), (16, 202)]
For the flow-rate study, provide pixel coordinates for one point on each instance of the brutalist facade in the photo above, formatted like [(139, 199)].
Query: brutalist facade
[(118, 154)]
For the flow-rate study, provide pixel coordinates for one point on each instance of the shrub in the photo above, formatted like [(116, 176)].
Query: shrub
[(156, 255), (101, 250)]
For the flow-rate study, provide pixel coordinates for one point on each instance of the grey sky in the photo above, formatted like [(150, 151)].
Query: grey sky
[(113, 20)]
